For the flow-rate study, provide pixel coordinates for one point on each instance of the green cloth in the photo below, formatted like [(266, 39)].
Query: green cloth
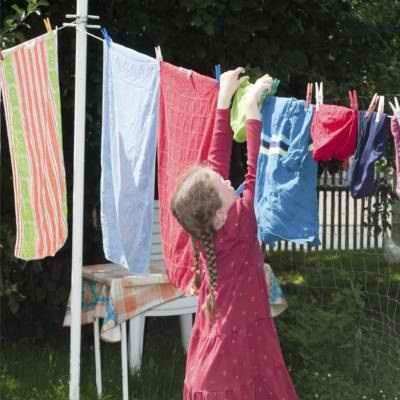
[(238, 115)]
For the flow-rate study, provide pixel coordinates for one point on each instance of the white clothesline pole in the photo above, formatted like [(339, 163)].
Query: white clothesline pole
[(78, 194)]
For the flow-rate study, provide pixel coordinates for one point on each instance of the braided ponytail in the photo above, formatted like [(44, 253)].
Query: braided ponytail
[(196, 282), (194, 204), (210, 304)]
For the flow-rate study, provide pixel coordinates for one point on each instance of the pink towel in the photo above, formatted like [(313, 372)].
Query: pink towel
[(186, 119)]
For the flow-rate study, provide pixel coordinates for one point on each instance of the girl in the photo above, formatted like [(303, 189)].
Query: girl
[(234, 351)]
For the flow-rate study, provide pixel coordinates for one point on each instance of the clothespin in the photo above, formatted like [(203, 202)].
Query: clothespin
[(1, 56), (217, 72), (188, 72), (319, 94), (381, 106), (395, 108), (159, 56), (47, 24), (372, 105), (106, 36), (353, 99), (308, 95)]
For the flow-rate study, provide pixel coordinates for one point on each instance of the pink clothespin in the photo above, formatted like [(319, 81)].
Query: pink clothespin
[(396, 109), (308, 95), (353, 99)]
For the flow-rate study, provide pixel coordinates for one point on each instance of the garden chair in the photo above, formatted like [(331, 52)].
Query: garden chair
[(184, 307)]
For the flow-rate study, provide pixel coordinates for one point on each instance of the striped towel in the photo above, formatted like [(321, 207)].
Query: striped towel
[(29, 82), (112, 292)]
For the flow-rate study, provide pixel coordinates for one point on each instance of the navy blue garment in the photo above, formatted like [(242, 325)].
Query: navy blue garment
[(286, 201), (372, 141)]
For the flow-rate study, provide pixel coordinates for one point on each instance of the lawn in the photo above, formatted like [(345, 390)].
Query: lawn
[(340, 337)]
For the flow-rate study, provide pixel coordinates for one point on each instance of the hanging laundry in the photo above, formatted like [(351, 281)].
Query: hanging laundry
[(372, 141), (286, 186), (238, 115), (334, 131), (395, 128), (30, 85), (130, 103), (186, 119)]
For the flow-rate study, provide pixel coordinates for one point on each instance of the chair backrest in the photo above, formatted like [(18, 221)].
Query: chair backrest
[(156, 247)]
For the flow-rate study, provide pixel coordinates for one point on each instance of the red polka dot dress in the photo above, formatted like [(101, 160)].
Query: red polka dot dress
[(237, 356)]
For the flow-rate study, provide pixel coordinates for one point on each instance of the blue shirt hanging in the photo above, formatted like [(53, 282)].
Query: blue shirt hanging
[(286, 201)]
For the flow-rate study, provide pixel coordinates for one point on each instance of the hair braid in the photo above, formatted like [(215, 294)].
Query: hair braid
[(194, 204), (208, 244), (196, 282)]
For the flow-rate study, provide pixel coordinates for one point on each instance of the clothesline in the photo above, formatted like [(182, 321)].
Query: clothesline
[(73, 25), (26, 43), (337, 98), (87, 33)]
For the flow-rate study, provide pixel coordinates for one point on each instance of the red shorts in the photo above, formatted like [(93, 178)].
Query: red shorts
[(334, 131)]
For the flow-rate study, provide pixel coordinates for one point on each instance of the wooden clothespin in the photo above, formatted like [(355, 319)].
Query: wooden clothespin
[(395, 108), (159, 56), (372, 105), (381, 106), (308, 95), (47, 24)]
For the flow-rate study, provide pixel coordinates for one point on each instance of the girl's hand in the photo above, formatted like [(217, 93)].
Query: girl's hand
[(229, 83), (253, 97)]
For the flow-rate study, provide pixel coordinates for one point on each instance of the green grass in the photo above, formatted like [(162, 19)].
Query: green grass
[(39, 370), (32, 370)]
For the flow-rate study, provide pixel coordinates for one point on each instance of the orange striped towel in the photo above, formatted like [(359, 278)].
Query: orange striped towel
[(29, 83), (114, 294)]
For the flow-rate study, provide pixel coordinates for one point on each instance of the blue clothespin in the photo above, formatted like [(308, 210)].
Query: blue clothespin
[(106, 36), (217, 72)]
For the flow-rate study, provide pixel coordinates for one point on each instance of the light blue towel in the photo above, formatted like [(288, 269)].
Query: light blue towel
[(130, 104)]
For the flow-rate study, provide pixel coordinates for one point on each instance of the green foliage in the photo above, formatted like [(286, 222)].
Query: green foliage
[(16, 18)]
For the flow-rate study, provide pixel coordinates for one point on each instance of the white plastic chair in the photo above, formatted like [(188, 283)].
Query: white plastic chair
[(184, 307)]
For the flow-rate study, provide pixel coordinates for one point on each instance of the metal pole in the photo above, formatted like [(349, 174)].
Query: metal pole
[(78, 195)]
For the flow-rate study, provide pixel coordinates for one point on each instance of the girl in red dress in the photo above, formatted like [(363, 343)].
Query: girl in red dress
[(234, 351)]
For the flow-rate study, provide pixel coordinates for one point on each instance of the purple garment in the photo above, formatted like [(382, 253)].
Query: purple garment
[(396, 135), (372, 141)]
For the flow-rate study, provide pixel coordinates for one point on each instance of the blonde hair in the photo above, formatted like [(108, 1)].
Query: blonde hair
[(194, 204)]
